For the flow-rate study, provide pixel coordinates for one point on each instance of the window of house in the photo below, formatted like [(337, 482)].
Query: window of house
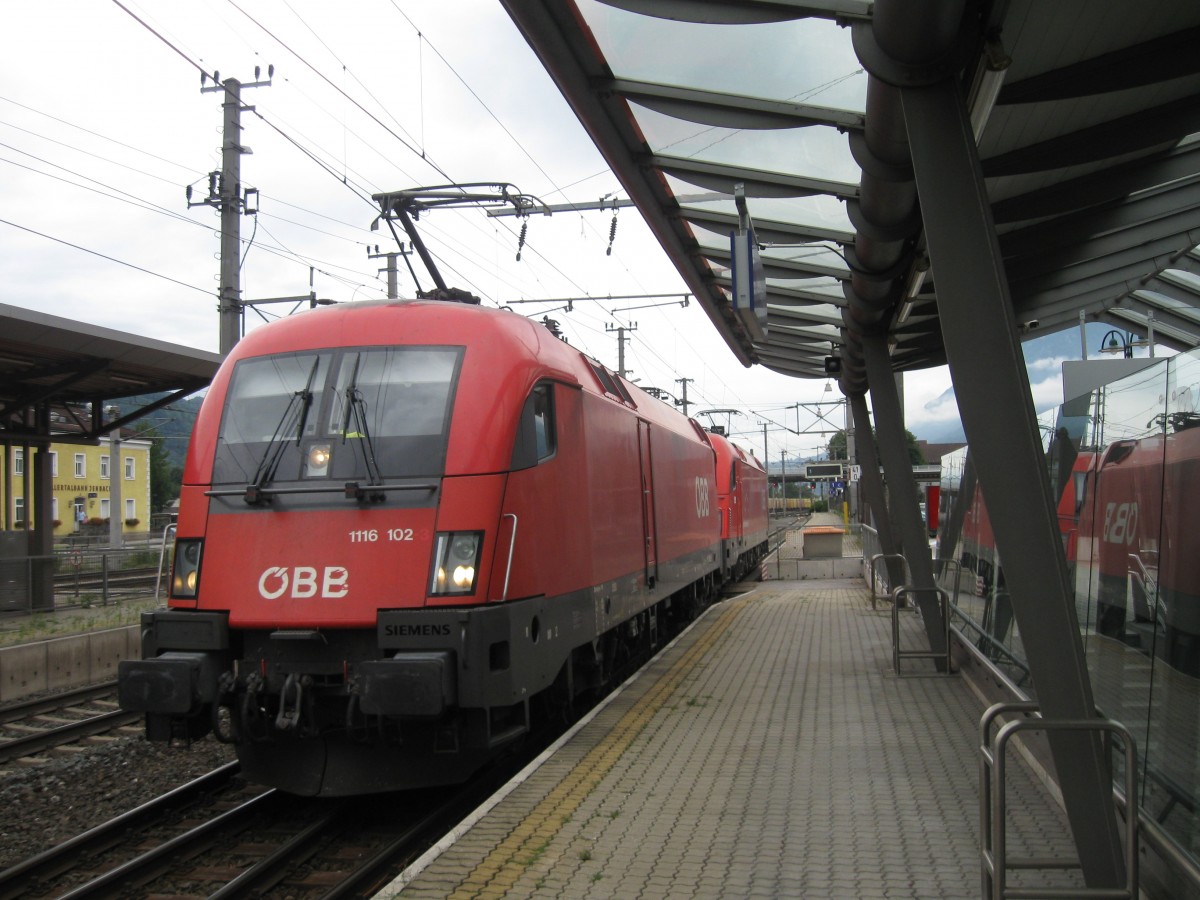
[(18, 461), (130, 508), (54, 509), (54, 465), (104, 508), (129, 468), (19, 509), (104, 467), (80, 465)]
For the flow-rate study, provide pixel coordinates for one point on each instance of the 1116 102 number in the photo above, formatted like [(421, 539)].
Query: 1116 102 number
[(371, 535)]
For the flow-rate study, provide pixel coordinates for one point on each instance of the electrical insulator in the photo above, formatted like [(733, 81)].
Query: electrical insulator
[(612, 233), (521, 239)]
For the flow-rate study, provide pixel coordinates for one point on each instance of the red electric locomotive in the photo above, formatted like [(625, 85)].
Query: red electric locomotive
[(742, 507), (1138, 543), (405, 527)]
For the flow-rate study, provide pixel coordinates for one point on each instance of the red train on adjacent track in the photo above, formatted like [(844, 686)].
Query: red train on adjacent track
[(408, 528), (1129, 538), (1138, 543)]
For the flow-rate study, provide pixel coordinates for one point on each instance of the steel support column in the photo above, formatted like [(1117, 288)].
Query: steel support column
[(958, 513), (41, 532), (994, 401), (872, 483), (902, 485)]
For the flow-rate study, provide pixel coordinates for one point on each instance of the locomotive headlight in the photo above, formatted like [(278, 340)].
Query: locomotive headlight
[(316, 463), (185, 577), (455, 561)]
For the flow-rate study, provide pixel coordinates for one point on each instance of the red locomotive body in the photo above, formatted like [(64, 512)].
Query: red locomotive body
[(742, 505), (404, 526), (979, 544), (1138, 543)]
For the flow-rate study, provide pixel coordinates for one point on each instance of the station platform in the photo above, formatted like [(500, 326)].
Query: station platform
[(770, 751)]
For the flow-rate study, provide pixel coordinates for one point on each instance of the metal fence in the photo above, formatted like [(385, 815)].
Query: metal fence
[(83, 573)]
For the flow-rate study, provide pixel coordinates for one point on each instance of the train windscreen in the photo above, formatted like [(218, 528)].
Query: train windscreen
[(344, 414)]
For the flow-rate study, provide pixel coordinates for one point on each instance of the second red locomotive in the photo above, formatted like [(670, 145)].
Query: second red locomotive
[(406, 527)]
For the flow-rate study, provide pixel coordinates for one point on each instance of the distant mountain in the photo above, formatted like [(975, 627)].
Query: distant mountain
[(173, 423), (948, 434)]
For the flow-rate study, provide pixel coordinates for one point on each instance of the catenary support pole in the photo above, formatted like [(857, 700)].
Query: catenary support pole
[(231, 217)]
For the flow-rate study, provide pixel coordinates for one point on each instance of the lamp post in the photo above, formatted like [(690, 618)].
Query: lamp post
[(116, 472), (783, 476), (1117, 341)]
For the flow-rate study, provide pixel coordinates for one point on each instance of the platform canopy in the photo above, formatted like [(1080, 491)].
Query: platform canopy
[(56, 375), (1086, 116)]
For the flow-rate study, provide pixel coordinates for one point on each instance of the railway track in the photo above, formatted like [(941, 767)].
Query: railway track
[(218, 837), (118, 579), (70, 863), (30, 729)]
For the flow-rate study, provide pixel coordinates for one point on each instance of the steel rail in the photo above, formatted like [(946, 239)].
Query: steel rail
[(34, 743), (15, 879), (22, 710), (188, 839)]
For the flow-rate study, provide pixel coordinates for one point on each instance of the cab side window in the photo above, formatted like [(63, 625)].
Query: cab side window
[(536, 439)]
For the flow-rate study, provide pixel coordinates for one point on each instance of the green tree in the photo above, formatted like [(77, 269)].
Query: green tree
[(837, 447), (164, 477)]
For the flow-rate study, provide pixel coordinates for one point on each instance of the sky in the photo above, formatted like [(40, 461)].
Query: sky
[(103, 125)]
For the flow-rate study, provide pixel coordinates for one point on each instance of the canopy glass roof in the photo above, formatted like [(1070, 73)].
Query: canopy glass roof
[(1086, 118)]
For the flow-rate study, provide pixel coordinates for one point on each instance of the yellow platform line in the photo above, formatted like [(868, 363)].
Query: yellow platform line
[(501, 868)]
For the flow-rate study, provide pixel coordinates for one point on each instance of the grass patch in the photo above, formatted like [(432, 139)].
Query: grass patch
[(41, 626)]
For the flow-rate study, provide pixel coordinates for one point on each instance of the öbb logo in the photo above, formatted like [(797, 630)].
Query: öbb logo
[(703, 506), (302, 582), (1120, 523)]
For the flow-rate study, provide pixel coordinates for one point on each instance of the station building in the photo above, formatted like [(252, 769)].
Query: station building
[(82, 497)]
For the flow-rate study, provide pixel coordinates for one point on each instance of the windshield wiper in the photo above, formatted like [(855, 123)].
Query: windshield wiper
[(296, 413), (356, 406)]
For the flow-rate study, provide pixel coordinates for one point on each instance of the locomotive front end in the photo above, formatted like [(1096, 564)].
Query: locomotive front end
[(322, 555)]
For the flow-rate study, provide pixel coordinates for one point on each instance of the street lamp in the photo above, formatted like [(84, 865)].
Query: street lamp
[(1116, 341)]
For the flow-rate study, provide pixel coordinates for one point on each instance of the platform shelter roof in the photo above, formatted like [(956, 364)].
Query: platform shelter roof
[(1086, 117), (57, 375)]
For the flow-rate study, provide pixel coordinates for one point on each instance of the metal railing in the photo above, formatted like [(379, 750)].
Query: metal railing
[(169, 531), (81, 574), (995, 862), (875, 559), (897, 654)]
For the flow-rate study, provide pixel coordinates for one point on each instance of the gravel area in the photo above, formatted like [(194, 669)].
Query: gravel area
[(44, 805)]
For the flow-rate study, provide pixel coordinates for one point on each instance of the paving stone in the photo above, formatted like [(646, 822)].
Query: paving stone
[(770, 752)]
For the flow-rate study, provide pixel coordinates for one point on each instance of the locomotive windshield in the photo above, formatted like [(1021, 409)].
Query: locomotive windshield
[(342, 414)]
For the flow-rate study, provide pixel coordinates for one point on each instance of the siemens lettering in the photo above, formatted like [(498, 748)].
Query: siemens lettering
[(418, 630)]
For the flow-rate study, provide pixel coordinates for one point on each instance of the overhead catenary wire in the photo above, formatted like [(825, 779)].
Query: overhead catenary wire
[(328, 81), (308, 153), (534, 253), (94, 134), (106, 256)]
